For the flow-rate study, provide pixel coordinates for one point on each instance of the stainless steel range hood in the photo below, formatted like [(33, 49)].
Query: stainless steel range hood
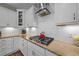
[(42, 9)]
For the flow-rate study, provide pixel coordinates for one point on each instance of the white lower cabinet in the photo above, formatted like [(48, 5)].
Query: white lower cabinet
[(9, 45), (15, 43), (25, 42), (24, 50), (2, 48), (3, 51), (20, 42), (6, 46), (35, 50), (31, 49), (24, 47)]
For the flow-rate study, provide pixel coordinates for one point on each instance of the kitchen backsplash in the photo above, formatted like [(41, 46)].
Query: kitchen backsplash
[(10, 32)]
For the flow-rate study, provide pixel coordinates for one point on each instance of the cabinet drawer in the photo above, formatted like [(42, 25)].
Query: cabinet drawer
[(39, 49)]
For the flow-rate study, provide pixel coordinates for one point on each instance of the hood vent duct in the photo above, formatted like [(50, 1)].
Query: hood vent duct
[(42, 9)]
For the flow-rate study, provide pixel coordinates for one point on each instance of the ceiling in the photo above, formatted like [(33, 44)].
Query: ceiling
[(15, 6), (20, 5)]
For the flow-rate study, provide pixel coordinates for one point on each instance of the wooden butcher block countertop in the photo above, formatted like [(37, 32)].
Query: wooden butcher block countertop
[(9, 36), (59, 47)]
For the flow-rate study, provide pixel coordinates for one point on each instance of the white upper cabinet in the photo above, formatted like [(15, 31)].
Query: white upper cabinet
[(12, 19), (7, 17), (30, 18), (65, 12), (77, 11), (3, 16)]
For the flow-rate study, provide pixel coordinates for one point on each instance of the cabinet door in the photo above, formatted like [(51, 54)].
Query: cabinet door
[(33, 52), (3, 16), (24, 50), (77, 11), (20, 42), (2, 47), (7, 17), (6, 46), (25, 42), (12, 18), (9, 44), (48, 53), (37, 48), (16, 43), (64, 12), (1, 42), (3, 51), (24, 47), (30, 19)]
